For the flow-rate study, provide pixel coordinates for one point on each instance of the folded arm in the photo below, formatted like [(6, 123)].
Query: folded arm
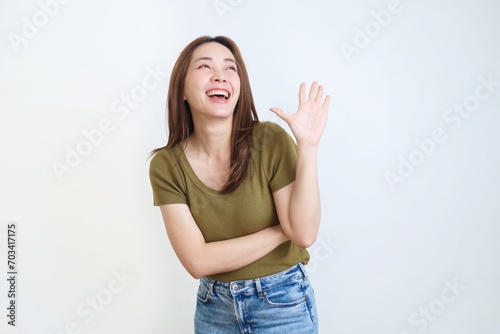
[(202, 258)]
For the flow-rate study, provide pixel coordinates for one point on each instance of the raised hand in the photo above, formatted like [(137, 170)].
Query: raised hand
[(308, 123)]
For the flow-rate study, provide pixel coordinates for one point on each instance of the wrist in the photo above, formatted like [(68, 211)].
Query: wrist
[(280, 233), (307, 152), (307, 146)]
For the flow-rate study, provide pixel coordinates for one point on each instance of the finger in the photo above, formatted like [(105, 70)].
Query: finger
[(319, 97), (313, 91), (302, 92), (326, 104)]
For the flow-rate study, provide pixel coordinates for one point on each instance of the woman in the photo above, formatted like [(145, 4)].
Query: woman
[(239, 198)]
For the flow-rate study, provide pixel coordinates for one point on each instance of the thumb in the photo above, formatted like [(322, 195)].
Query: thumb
[(280, 113)]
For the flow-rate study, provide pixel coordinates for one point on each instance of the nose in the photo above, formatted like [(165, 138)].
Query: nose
[(219, 76)]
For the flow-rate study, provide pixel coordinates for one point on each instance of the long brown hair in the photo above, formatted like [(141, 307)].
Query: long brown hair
[(180, 120)]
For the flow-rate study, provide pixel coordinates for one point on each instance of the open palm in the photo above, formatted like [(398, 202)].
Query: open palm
[(308, 123)]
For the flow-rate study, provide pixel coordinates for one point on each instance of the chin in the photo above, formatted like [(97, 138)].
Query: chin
[(226, 111)]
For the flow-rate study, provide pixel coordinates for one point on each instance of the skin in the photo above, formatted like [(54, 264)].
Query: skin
[(208, 152)]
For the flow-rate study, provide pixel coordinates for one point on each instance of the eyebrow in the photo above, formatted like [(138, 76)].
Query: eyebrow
[(209, 58)]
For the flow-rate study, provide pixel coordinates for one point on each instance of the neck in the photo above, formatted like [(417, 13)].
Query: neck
[(211, 139)]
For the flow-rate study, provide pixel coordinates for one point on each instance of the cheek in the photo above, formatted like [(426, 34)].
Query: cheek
[(190, 89), (237, 91), (192, 82)]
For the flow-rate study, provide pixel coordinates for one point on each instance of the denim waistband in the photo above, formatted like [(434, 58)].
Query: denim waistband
[(256, 285)]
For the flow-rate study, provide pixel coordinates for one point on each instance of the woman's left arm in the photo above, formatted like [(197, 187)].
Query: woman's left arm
[(298, 204)]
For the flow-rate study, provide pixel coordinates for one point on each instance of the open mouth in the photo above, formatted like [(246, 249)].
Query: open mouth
[(218, 94)]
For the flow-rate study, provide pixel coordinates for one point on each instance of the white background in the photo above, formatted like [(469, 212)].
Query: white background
[(385, 256)]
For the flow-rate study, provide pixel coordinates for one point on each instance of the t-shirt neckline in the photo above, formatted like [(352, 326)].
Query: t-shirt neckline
[(193, 177)]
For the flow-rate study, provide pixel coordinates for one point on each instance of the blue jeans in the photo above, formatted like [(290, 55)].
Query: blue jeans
[(282, 303)]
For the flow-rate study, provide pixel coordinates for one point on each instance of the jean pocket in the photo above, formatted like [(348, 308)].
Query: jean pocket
[(286, 295), (203, 294)]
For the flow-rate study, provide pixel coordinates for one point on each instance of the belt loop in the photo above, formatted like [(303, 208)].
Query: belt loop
[(259, 288), (303, 269), (211, 286)]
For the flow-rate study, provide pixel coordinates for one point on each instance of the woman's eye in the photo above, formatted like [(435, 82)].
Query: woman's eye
[(204, 66), (232, 68)]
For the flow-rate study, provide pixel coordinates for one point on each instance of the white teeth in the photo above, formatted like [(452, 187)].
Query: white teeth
[(218, 92)]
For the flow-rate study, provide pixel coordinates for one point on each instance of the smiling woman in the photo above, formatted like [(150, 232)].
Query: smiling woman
[(244, 114), (239, 213)]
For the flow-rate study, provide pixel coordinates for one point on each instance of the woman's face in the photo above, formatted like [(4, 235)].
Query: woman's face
[(212, 84)]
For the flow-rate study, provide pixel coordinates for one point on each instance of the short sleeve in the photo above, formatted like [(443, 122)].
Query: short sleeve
[(167, 179), (281, 156)]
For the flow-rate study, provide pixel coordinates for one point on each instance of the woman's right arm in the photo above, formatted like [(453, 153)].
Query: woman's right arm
[(203, 259)]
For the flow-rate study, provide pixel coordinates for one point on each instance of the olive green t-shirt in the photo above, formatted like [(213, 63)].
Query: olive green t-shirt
[(248, 209)]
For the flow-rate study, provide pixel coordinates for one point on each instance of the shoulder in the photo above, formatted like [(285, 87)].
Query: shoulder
[(265, 126), (275, 152), (268, 132), (166, 177), (165, 154), (272, 143), (164, 160)]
